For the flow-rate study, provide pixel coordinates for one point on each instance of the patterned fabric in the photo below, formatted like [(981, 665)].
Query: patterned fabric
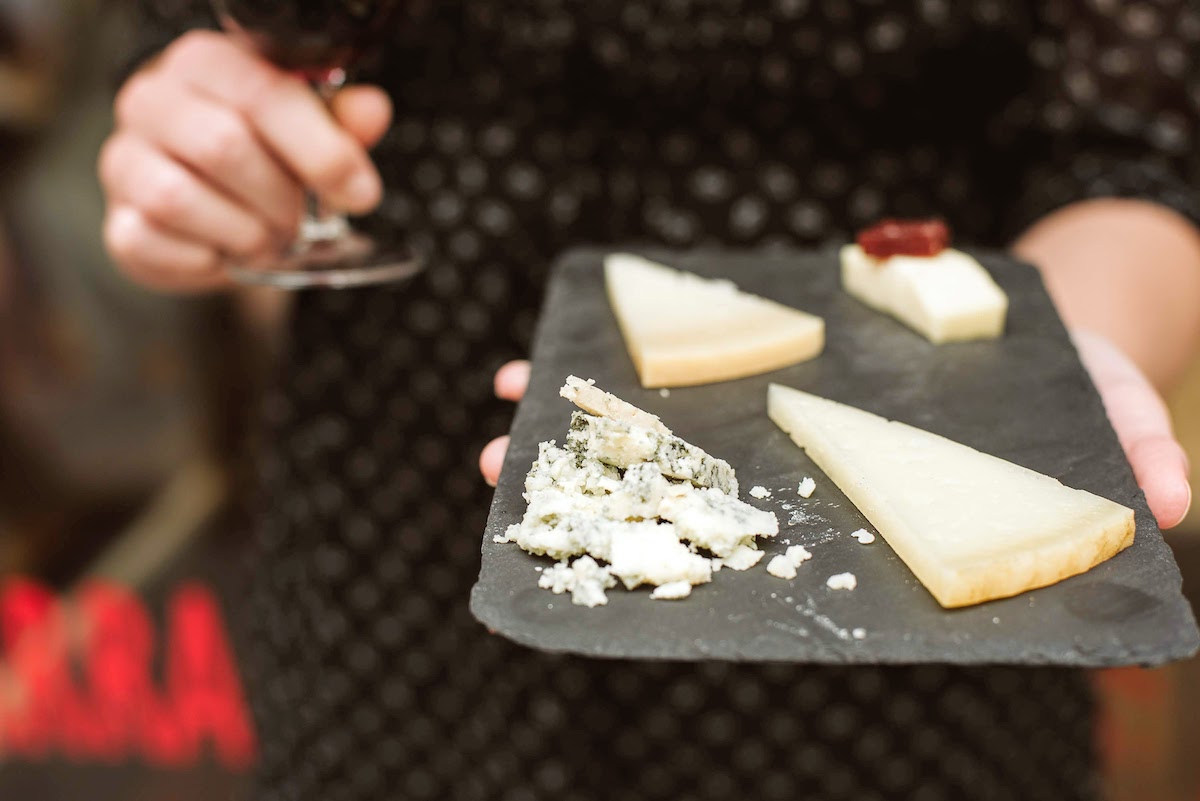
[(525, 128)]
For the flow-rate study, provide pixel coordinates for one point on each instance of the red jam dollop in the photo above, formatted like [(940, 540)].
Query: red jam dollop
[(888, 238)]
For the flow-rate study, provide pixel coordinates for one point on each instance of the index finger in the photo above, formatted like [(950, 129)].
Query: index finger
[(1143, 426), (288, 116)]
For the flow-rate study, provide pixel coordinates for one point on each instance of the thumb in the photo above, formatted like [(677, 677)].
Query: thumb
[(364, 111), (1143, 425)]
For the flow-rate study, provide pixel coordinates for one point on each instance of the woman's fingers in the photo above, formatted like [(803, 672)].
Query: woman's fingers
[(1143, 425), (512, 380), (215, 142), (510, 384), (285, 114), (364, 111), (1161, 468), (492, 459), (159, 259), (136, 174), (214, 147)]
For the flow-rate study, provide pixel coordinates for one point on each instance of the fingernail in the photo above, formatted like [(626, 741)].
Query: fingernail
[(490, 482), (363, 190), (1187, 508)]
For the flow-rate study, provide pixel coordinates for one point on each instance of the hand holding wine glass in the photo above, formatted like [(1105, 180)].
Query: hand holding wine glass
[(213, 151)]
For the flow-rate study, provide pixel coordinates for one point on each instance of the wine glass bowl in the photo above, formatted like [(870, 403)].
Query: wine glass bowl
[(317, 39), (307, 36)]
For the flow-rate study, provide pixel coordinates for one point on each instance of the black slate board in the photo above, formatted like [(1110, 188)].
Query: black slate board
[(1024, 397)]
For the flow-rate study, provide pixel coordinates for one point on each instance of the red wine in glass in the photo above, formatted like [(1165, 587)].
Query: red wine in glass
[(318, 39)]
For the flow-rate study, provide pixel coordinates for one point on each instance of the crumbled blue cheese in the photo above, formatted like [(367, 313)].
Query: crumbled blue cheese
[(841, 581), (760, 492), (807, 488), (863, 536), (641, 494), (626, 491), (859, 634), (565, 522), (715, 521), (620, 444), (651, 553), (564, 470), (586, 580)]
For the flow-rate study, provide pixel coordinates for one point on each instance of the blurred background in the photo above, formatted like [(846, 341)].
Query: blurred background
[(122, 416)]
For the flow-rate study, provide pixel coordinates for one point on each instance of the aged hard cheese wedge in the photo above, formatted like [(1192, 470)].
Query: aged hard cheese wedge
[(972, 527), (683, 330), (948, 297)]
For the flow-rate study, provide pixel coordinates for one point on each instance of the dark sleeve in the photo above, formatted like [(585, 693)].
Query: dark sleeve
[(1115, 106), (155, 24)]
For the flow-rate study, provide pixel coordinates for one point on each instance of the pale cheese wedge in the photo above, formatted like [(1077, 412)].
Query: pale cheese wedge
[(949, 297), (971, 526), (683, 330)]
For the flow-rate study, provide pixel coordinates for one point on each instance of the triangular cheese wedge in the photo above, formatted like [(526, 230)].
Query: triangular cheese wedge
[(972, 527), (949, 297), (683, 330)]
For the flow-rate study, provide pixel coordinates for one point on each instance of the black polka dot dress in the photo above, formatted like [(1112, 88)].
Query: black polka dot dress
[(523, 129)]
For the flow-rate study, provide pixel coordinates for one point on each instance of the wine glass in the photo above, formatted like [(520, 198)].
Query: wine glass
[(318, 39)]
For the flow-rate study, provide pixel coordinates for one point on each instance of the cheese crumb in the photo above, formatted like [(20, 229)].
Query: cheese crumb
[(858, 634), (806, 488), (797, 555), (760, 492), (784, 565), (841, 581), (664, 393), (672, 591), (863, 536), (781, 567), (743, 558)]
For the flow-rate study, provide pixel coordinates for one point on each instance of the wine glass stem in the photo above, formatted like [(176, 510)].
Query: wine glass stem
[(323, 223)]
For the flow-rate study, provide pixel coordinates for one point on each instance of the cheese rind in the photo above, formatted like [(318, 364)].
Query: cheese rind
[(682, 330), (589, 397), (946, 298), (971, 526)]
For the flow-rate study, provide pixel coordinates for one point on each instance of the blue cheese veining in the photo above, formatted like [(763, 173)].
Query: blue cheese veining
[(622, 444)]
